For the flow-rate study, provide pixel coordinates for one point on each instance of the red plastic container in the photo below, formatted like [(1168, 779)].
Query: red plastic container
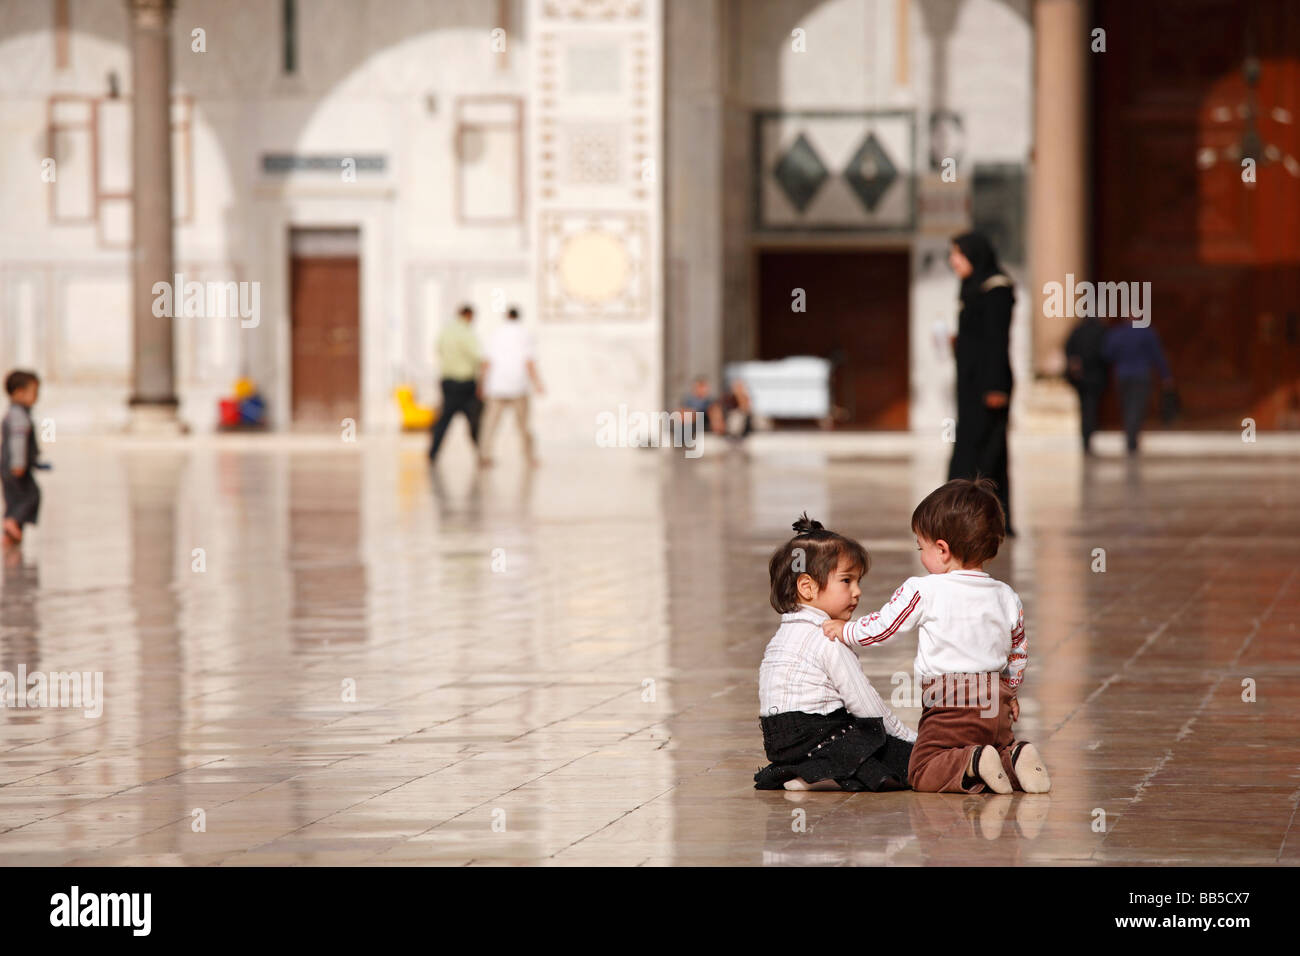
[(229, 411)]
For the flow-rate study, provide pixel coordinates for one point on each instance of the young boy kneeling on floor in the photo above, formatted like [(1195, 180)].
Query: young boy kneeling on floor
[(971, 652), (824, 725)]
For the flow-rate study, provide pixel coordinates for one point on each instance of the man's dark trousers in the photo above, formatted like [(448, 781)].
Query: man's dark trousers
[(457, 396), (1134, 398)]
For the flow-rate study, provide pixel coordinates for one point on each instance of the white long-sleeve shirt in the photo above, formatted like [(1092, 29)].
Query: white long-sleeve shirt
[(969, 623), (803, 671)]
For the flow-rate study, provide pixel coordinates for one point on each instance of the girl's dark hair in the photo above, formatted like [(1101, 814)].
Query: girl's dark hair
[(813, 551), (966, 514)]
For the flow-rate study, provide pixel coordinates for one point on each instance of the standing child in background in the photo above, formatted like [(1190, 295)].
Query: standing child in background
[(971, 652), (824, 725), (18, 455)]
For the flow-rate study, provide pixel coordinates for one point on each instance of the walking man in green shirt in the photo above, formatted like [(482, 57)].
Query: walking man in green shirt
[(459, 358)]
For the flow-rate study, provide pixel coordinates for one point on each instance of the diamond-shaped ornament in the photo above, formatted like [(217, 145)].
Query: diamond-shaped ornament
[(870, 172), (800, 173)]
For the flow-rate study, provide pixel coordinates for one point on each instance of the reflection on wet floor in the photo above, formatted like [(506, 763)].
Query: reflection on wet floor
[(331, 655)]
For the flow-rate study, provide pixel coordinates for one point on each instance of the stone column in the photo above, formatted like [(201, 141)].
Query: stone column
[(740, 314), (1059, 190), (694, 186), (153, 397)]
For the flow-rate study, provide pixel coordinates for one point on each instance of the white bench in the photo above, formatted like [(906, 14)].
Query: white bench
[(795, 387)]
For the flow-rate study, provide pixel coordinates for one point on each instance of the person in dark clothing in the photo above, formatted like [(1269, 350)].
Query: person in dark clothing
[(1086, 369), (1133, 353), (19, 455), (984, 381), (459, 358)]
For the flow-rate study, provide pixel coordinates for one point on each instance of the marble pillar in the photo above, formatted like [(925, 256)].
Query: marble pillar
[(1059, 215), (153, 396), (694, 192)]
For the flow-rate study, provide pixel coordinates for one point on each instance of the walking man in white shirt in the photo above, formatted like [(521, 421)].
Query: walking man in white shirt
[(508, 368)]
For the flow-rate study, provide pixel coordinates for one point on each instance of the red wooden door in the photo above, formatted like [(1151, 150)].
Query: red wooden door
[(326, 296), (1175, 96), (857, 309)]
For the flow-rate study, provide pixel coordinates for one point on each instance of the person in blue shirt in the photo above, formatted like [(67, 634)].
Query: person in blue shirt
[(1134, 353)]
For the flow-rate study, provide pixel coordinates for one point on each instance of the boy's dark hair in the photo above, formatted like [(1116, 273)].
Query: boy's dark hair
[(967, 514), (512, 312), (465, 309), (19, 378), (813, 551)]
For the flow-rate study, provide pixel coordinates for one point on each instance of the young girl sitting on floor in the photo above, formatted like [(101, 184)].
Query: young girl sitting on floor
[(824, 725)]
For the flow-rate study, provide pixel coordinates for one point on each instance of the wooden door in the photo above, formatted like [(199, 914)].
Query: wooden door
[(1172, 105), (326, 302), (856, 312)]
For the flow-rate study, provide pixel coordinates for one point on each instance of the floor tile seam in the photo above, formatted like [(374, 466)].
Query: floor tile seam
[(1137, 585), (1124, 666), (558, 720), (621, 816), (107, 796), (1186, 730), (359, 803), (502, 794)]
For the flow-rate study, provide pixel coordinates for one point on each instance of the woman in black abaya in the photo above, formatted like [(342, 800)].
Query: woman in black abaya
[(982, 347)]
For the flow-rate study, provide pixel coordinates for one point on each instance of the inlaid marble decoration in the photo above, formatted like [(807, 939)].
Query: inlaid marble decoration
[(595, 99), (595, 68), (595, 265), (836, 171), (593, 153), (595, 11)]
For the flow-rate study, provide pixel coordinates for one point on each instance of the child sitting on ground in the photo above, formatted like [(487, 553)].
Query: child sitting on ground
[(824, 725), (971, 652)]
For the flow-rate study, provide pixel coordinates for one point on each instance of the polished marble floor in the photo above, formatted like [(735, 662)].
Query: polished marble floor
[(319, 653)]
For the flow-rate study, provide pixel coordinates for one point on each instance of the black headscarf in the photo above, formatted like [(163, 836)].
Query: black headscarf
[(977, 248)]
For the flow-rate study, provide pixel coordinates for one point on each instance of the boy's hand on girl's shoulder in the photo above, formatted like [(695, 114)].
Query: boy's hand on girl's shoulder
[(834, 630), (1015, 710)]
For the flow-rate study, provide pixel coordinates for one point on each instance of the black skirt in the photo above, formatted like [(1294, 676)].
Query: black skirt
[(855, 752)]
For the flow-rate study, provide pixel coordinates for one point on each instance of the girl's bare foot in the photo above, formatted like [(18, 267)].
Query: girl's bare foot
[(13, 530), (799, 783)]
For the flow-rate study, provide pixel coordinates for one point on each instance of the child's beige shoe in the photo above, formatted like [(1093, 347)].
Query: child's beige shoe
[(1030, 769), (990, 770)]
